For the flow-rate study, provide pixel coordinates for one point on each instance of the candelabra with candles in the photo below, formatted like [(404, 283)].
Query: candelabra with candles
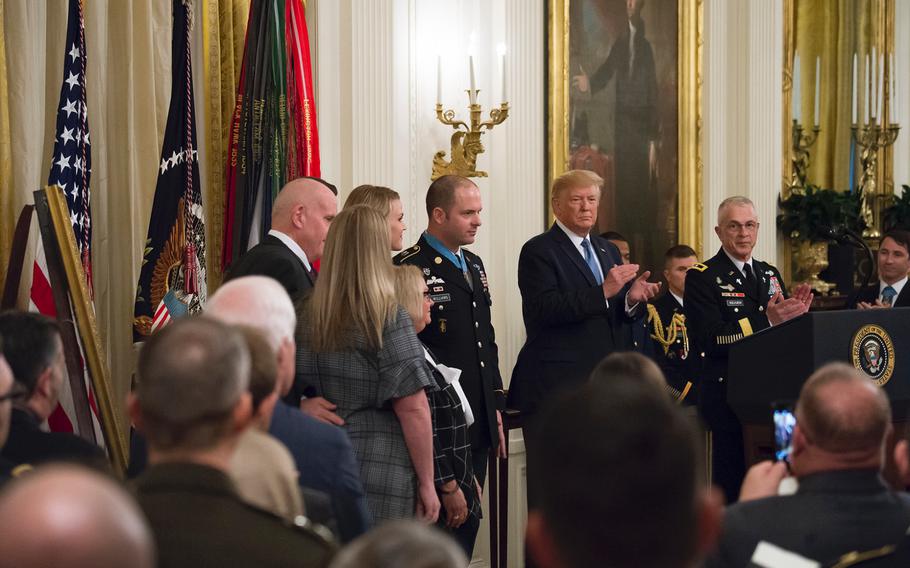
[(801, 138), (465, 142), (872, 135)]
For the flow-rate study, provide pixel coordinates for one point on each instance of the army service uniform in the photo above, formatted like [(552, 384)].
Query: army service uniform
[(671, 347), (461, 336), (721, 309)]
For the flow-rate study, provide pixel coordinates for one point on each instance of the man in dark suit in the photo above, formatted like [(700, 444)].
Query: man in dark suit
[(322, 452), (192, 404), (301, 216), (576, 297), (732, 296), (842, 505), (667, 325), (893, 266), (34, 351), (461, 334)]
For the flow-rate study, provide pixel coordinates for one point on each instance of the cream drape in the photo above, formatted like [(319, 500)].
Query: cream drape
[(7, 218), (128, 90)]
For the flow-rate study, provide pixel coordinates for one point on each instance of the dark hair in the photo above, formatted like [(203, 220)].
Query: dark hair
[(631, 365), (441, 192), (679, 251), (331, 187), (618, 473), (900, 236), (28, 345), (263, 367), (614, 236)]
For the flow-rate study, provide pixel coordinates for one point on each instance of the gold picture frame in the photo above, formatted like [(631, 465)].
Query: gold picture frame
[(86, 323), (689, 68)]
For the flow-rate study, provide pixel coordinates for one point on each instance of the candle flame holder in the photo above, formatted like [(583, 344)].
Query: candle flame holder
[(465, 142)]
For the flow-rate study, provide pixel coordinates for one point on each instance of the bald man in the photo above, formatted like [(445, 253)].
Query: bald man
[(68, 516), (301, 216), (843, 421)]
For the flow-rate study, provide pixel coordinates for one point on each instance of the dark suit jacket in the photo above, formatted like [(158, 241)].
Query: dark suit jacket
[(273, 258), (461, 333), (326, 462), (870, 294), (198, 519), (675, 362), (569, 326), (28, 444), (831, 514)]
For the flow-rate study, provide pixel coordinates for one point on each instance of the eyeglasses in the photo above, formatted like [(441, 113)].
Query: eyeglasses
[(734, 227), (15, 393)]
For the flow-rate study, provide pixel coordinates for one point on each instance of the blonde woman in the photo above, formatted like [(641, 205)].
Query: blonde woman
[(388, 203), (454, 472), (357, 348)]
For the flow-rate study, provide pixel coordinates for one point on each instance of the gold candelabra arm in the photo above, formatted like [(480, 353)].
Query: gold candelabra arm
[(871, 138), (497, 116), (447, 117)]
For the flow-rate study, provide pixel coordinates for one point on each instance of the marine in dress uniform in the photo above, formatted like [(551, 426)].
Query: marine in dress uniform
[(671, 347), (461, 334), (722, 306)]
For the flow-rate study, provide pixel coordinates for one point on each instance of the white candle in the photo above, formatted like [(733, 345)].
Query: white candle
[(867, 86), (853, 106), (818, 88), (873, 96), (795, 88), (439, 79), (473, 85), (893, 91), (505, 91), (880, 91)]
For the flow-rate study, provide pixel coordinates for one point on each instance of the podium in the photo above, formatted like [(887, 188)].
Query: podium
[(771, 366)]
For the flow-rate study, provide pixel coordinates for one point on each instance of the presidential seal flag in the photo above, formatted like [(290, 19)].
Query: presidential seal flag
[(172, 278), (273, 129)]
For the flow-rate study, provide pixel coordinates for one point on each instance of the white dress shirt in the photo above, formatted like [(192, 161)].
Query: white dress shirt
[(295, 248), (898, 286)]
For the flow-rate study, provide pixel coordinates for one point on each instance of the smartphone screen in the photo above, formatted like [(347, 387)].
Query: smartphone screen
[(784, 421)]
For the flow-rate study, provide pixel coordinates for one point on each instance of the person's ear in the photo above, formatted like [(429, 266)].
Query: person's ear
[(285, 362), (717, 231), (45, 383), (242, 414), (298, 215), (267, 405), (902, 461), (540, 542), (710, 511), (135, 412), (439, 216)]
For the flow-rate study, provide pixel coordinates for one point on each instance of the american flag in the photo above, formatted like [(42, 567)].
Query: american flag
[(70, 169)]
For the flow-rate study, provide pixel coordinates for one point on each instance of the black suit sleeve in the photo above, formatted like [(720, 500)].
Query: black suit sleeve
[(549, 304), (705, 319)]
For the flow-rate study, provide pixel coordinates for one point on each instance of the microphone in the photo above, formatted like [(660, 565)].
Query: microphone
[(845, 235)]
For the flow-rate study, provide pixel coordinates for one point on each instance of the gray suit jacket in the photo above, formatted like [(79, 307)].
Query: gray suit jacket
[(830, 515)]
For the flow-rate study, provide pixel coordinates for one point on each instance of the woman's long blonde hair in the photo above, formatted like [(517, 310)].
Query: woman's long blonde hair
[(355, 291), (409, 284), (377, 197)]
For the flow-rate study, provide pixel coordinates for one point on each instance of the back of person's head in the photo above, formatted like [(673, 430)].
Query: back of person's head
[(65, 516), (402, 544), (629, 364), (842, 420), (192, 375), (32, 347), (614, 236), (259, 302), (409, 285), (377, 197), (263, 369), (618, 478), (355, 292), (441, 193)]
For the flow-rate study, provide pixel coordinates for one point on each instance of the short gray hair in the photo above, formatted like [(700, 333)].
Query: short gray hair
[(735, 201), (191, 375), (403, 544), (259, 302)]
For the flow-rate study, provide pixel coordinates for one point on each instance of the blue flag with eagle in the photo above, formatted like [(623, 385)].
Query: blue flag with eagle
[(172, 278)]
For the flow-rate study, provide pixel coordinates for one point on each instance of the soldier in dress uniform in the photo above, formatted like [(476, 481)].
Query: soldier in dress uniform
[(461, 333), (729, 297), (667, 325)]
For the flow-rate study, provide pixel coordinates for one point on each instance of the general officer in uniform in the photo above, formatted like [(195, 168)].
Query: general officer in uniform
[(667, 326), (729, 297), (461, 333)]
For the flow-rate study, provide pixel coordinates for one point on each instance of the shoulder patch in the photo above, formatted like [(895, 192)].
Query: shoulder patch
[(407, 253), (699, 267)]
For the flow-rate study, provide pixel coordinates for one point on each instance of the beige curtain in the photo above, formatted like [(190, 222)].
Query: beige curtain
[(833, 30), (129, 88)]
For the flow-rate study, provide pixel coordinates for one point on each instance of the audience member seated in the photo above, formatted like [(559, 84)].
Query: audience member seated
[(34, 351), (893, 266), (357, 348), (9, 391), (388, 203), (620, 469), (456, 486), (402, 544), (842, 504), (322, 452), (632, 365), (64, 516), (192, 404), (262, 468)]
